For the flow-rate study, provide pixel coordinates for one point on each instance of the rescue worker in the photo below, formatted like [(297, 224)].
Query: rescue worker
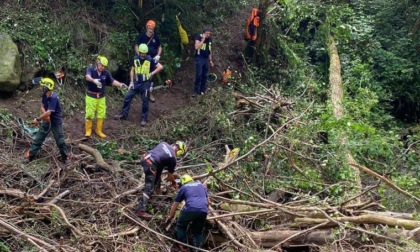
[(97, 77), (143, 68), (155, 48), (51, 120), (163, 156), (194, 213), (203, 59)]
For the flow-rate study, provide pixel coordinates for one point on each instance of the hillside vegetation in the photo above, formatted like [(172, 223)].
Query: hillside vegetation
[(323, 110)]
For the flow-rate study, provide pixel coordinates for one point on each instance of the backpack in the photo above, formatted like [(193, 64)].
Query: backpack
[(252, 24)]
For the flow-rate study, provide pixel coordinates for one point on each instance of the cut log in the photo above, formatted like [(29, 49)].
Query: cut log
[(269, 239), (405, 216), (363, 219)]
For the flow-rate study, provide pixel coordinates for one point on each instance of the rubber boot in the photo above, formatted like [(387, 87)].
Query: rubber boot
[(182, 248), (145, 216), (88, 126), (28, 158), (99, 126)]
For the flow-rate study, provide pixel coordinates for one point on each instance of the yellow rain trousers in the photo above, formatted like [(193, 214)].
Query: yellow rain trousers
[(94, 105)]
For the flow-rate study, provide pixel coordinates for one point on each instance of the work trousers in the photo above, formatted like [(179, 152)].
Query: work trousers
[(58, 134), (195, 222), (150, 183), (201, 72), (142, 88)]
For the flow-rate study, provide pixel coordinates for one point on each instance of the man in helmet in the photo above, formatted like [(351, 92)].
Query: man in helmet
[(194, 213), (143, 68), (96, 80), (50, 120), (203, 61), (163, 156), (152, 41)]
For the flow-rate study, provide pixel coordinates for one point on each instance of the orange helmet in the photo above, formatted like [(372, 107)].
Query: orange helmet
[(151, 23)]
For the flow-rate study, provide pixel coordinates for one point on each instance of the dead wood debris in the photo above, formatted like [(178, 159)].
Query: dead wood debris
[(82, 209)]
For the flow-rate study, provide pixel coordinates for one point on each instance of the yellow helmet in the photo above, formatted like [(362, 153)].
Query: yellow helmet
[(143, 48), (102, 60), (185, 179), (182, 148), (47, 83)]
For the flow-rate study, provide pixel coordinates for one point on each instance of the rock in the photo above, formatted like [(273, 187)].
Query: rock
[(28, 73), (10, 68)]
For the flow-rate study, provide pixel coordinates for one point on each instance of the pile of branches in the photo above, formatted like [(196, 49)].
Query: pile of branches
[(88, 206)]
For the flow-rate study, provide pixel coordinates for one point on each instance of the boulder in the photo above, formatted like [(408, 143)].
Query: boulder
[(10, 68), (28, 73)]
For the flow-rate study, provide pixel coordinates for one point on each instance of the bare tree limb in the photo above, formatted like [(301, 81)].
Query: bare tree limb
[(264, 211), (46, 189), (17, 231), (98, 157), (60, 196), (227, 232), (227, 165), (63, 214), (128, 232), (386, 181)]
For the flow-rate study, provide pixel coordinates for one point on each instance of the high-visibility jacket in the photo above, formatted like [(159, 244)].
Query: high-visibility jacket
[(252, 24)]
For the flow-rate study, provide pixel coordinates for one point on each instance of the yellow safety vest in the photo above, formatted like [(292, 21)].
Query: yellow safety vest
[(204, 46), (141, 68)]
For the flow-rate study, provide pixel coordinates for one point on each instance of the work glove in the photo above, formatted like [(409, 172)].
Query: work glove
[(156, 58), (131, 86), (35, 122), (97, 83), (123, 86)]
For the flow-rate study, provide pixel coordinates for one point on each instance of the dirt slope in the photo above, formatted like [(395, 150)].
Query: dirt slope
[(226, 51)]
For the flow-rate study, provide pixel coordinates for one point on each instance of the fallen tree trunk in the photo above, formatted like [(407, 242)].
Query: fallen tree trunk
[(363, 219), (405, 216), (270, 239), (337, 95)]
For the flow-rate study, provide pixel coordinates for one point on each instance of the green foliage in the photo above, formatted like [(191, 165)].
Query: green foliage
[(122, 47), (392, 199), (5, 116), (55, 217), (4, 247), (297, 60), (46, 41), (110, 150), (376, 66), (391, 49)]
